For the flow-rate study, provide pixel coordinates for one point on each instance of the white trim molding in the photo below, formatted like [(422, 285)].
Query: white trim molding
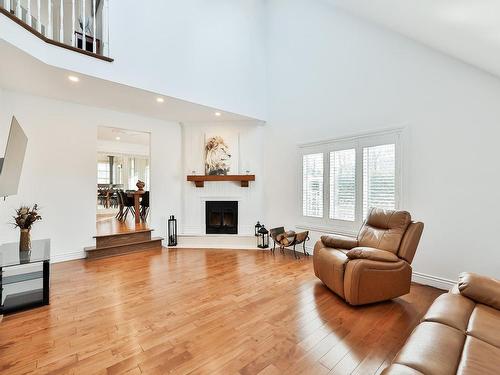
[(67, 257), (327, 230), (399, 129), (435, 281)]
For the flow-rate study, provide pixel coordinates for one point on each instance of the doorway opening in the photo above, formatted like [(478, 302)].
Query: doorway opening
[(123, 180)]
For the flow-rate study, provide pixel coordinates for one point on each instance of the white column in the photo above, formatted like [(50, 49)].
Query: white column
[(105, 29), (61, 22), (50, 25), (19, 12), (84, 38), (28, 13), (38, 16), (94, 43), (73, 39), (6, 4)]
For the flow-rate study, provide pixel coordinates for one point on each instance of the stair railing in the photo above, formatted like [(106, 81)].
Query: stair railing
[(82, 24)]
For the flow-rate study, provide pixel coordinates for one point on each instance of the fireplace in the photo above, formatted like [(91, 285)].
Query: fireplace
[(221, 217)]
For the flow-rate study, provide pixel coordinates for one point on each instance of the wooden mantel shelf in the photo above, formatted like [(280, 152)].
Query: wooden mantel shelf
[(199, 180)]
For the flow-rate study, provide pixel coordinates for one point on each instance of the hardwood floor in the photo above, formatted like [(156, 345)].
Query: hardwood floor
[(114, 226), (203, 312)]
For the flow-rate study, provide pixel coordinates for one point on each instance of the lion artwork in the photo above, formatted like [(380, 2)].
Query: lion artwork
[(217, 157)]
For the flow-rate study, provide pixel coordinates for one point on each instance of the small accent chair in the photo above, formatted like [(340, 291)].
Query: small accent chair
[(289, 238), (375, 266)]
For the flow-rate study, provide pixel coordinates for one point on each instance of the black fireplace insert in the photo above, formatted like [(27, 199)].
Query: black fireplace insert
[(221, 217)]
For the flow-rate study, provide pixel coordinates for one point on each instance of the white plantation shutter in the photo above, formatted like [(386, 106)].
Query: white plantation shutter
[(312, 188), (379, 177), (343, 185)]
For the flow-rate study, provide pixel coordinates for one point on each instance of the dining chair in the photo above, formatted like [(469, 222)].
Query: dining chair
[(145, 206)]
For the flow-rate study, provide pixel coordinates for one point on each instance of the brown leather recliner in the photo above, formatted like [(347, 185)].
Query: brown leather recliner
[(375, 266)]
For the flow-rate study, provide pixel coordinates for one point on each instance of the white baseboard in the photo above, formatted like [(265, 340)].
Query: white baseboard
[(68, 256), (435, 281)]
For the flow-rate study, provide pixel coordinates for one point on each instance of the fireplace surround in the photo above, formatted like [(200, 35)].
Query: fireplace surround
[(221, 217)]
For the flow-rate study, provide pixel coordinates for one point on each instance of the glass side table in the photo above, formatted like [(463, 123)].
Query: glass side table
[(24, 278)]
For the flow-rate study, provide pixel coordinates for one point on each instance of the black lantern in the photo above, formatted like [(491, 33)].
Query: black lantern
[(263, 238), (257, 227), (172, 231)]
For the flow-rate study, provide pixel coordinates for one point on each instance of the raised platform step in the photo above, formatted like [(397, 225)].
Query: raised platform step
[(123, 238), (95, 252)]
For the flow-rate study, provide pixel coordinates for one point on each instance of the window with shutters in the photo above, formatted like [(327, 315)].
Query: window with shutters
[(379, 177), (358, 173), (312, 189), (343, 184)]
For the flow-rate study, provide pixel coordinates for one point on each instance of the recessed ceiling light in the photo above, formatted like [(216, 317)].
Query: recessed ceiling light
[(218, 114), (73, 78), (117, 138), (160, 100)]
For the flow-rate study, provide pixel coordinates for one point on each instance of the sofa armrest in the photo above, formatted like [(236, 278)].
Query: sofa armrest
[(481, 289), (372, 254), (339, 242)]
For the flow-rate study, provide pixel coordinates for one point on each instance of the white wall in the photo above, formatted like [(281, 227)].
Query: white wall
[(249, 156), (206, 52), (331, 75), (59, 171)]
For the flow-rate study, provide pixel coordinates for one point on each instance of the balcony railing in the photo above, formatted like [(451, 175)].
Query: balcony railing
[(80, 24)]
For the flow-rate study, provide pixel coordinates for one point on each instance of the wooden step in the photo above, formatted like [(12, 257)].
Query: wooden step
[(108, 240), (120, 249)]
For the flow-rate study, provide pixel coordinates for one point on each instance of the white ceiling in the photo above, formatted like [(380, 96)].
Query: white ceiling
[(468, 30), (20, 71)]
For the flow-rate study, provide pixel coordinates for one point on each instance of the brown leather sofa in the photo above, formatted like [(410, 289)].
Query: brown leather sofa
[(459, 334), (375, 266)]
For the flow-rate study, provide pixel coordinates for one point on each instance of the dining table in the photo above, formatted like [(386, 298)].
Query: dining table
[(137, 197)]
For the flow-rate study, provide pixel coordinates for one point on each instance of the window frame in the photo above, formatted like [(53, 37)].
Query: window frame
[(394, 136), (99, 180), (322, 188)]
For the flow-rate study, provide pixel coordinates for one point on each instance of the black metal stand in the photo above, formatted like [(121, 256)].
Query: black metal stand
[(294, 244), (46, 282), (29, 299)]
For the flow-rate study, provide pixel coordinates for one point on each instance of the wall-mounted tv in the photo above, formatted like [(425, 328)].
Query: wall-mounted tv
[(11, 164)]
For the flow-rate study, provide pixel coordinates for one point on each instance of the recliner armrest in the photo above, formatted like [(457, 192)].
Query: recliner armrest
[(372, 254), (339, 242), (481, 289)]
